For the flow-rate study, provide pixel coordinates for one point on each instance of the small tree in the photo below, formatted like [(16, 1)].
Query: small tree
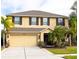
[(8, 24)]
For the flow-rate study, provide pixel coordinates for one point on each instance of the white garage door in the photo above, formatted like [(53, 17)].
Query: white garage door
[(22, 40)]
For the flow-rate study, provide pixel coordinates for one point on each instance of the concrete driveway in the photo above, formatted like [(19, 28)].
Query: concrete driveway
[(27, 53)]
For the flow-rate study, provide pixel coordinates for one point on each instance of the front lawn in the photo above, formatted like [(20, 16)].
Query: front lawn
[(70, 57), (68, 50)]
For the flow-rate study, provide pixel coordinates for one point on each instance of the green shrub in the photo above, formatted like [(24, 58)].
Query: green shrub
[(41, 44)]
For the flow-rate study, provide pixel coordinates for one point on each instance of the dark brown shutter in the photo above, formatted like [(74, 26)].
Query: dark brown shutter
[(13, 19), (37, 19), (56, 21), (41, 21), (48, 21), (63, 21), (29, 20), (20, 20)]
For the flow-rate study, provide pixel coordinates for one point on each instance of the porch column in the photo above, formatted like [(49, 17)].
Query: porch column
[(7, 40), (42, 37), (38, 37)]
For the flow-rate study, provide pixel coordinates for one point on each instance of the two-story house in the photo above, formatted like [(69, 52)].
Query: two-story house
[(33, 26)]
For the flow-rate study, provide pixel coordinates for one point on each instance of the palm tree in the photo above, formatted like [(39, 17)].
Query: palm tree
[(73, 27), (73, 23), (58, 35), (74, 6), (8, 24)]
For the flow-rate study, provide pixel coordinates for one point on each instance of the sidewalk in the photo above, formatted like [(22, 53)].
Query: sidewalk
[(62, 55)]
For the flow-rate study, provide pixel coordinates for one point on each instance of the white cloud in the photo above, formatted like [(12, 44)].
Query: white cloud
[(19, 5), (58, 6), (54, 6)]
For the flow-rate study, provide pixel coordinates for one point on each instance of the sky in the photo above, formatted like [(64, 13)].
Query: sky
[(61, 7)]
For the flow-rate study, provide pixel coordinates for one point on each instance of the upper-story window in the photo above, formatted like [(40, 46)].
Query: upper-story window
[(45, 21), (17, 20), (33, 21), (60, 21)]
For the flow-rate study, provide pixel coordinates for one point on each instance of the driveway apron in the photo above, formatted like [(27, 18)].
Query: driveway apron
[(13, 53), (37, 53), (27, 53)]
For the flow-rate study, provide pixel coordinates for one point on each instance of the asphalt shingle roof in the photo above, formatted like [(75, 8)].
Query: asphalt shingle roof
[(36, 13), (26, 30)]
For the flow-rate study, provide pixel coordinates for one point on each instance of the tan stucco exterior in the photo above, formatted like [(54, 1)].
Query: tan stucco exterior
[(66, 23), (25, 23), (31, 39)]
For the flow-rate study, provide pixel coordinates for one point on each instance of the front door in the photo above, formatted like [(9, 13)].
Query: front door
[(46, 38)]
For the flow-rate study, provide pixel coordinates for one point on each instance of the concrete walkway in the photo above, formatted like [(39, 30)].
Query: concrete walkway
[(27, 53), (62, 55)]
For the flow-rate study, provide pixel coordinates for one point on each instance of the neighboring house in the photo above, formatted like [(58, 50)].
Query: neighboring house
[(33, 26)]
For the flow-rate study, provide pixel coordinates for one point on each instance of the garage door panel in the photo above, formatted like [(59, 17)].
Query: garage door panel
[(28, 40)]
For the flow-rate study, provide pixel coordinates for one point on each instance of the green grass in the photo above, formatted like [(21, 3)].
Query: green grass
[(70, 57), (68, 50)]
